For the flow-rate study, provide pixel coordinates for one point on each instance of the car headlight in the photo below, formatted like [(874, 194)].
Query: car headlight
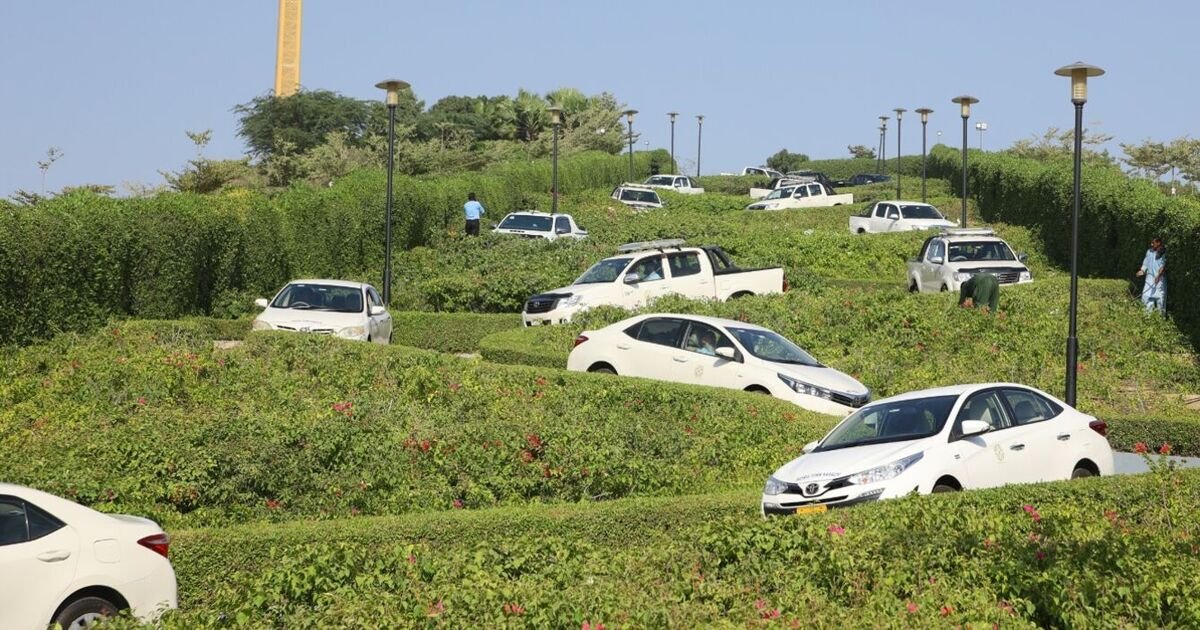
[(886, 471), (962, 276), (352, 332), (261, 325), (1026, 276), (800, 387), (775, 486), (574, 300)]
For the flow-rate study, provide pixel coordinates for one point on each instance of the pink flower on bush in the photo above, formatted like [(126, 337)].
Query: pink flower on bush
[(1032, 512), (836, 530), (592, 626), (772, 613), (946, 611), (436, 608), (458, 504), (273, 504), (1040, 555), (912, 607), (1007, 607), (345, 408), (141, 401), (1165, 449), (534, 440), (1140, 447), (513, 609)]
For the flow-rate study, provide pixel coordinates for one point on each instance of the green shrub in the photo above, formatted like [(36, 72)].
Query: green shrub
[(448, 332)]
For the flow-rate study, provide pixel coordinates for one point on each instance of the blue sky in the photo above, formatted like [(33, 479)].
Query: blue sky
[(115, 84)]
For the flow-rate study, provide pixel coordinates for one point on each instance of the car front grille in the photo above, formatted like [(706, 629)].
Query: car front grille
[(851, 400), (315, 331), (1003, 276), (542, 303)]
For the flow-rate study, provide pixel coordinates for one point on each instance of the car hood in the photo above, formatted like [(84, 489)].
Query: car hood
[(825, 377), (310, 319), (932, 223), (518, 231), (985, 265), (583, 290), (825, 465)]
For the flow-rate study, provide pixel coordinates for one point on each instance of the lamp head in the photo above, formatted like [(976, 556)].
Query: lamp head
[(964, 102), (1079, 73), (924, 112), (555, 115), (629, 114), (700, 118), (393, 87), (899, 113), (672, 115)]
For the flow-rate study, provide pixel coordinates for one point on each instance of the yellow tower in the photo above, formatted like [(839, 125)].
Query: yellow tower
[(287, 49)]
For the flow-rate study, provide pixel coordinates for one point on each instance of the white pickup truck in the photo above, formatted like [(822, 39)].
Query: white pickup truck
[(810, 195), (678, 183), (637, 196), (641, 272), (898, 216), (533, 224), (950, 258), (762, 171)]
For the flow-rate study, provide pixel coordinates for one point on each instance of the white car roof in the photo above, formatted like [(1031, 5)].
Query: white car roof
[(949, 390), (703, 319), (335, 283), (905, 203), (638, 187), (538, 213)]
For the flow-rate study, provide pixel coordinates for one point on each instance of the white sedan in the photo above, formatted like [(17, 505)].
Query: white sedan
[(942, 440), (63, 563), (719, 353), (350, 310)]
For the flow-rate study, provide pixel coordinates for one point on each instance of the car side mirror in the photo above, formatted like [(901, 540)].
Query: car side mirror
[(562, 230), (893, 217), (975, 427), (495, 225), (726, 352), (378, 310), (1023, 257), (632, 278), (261, 303), (937, 260), (808, 448)]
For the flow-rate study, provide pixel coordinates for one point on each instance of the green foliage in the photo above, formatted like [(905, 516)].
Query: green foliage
[(303, 120), (784, 161), (449, 332)]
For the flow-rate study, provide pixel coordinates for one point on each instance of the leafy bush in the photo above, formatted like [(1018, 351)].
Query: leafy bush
[(448, 332)]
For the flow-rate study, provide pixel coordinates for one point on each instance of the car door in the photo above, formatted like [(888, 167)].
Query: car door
[(817, 196), (381, 325), (687, 275), (879, 222), (562, 226), (652, 354), (932, 265), (1047, 437), (651, 281), (38, 558), (997, 457), (701, 364)]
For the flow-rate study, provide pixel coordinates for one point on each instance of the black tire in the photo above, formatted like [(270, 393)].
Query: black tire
[(740, 294), (758, 390), (941, 487), (861, 231), (945, 288), (84, 612), (1081, 472), (602, 369), (913, 288)]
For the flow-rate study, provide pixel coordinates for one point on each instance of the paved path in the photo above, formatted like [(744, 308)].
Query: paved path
[(1132, 463)]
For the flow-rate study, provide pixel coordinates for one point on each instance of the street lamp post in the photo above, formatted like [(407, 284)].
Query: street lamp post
[(981, 127), (556, 120), (699, 140), (924, 112), (883, 145), (964, 102), (899, 115), (629, 114), (674, 168), (879, 150), (1079, 73), (393, 87)]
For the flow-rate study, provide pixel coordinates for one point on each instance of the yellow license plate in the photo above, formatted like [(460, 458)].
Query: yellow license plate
[(812, 509)]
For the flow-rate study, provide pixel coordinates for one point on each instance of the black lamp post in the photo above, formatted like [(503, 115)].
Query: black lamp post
[(924, 112), (964, 102), (393, 87), (1079, 73), (699, 140), (629, 114), (674, 168), (556, 120), (883, 144), (879, 150), (899, 115)]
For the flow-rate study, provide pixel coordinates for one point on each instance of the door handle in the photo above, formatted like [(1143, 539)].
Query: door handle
[(679, 359), (622, 346), (54, 556), (1063, 437), (1017, 447)]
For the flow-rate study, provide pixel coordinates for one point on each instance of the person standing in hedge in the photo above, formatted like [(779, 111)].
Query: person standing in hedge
[(980, 290), (474, 211), (1154, 266)]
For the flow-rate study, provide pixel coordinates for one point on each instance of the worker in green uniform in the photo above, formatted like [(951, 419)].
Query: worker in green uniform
[(980, 290)]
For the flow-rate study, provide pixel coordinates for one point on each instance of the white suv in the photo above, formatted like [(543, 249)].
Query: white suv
[(533, 224), (950, 258)]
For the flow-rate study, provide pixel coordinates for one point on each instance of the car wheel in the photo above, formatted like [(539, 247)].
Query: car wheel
[(861, 231), (913, 288), (84, 612), (602, 369), (941, 487), (945, 288), (1081, 472)]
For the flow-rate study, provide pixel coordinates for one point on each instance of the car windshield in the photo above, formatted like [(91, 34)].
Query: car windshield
[(526, 222), (973, 251), (604, 271), (639, 196), (320, 297), (770, 346), (891, 422), (660, 180), (920, 211)]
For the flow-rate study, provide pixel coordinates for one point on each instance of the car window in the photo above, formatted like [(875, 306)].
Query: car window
[(881, 210), (683, 264), (937, 249), (21, 522), (814, 190), (536, 223), (705, 339), (891, 422), (320, 297), (985, 406), (663, 332), (562, 225), (920, 212), (1028, 407), (659, 180), (979, 251), (633, 330), (780, 193), (648, 269), (607, 270), (373, 297), (801, 191)]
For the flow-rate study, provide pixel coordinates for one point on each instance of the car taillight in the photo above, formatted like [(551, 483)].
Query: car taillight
[(1099, 426), (578, 340), (158, 543)]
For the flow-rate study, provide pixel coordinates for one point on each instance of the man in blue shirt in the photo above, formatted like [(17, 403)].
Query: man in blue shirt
[(1154, 265), (474, 210)]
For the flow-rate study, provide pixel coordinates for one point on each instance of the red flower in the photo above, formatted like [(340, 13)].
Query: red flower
[(946, 611), (412, 559), (514, 609), (455, 386), (141, 401), (1007, 607), (592, 626), (527, 456), (1032, 512), (770, 614), (1165, 449), (426, 445), (534, 440), (760, 604), (1140, 447), (1041, 555), (988, 543), (541, 380), (912, 607), (458, 504), (273, 504), (436, 608), (836, 530)]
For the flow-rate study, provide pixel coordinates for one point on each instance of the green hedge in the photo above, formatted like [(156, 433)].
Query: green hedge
[(152, 419), (449, 332), (1067, 554), (1118, 216)]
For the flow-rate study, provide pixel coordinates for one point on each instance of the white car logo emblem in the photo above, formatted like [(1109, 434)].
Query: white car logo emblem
[(999, 453), (305, 329), (699, 370)]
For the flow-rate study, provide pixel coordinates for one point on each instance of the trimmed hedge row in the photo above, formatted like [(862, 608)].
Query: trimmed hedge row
[(449, 332), (151, 419), (1048, 555), (1118, 216)]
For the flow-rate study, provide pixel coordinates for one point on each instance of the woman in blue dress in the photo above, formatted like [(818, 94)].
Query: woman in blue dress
[(1154, 267)]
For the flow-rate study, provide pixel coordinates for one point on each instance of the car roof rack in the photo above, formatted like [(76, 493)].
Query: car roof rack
[(661, 244), (968, 232)]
